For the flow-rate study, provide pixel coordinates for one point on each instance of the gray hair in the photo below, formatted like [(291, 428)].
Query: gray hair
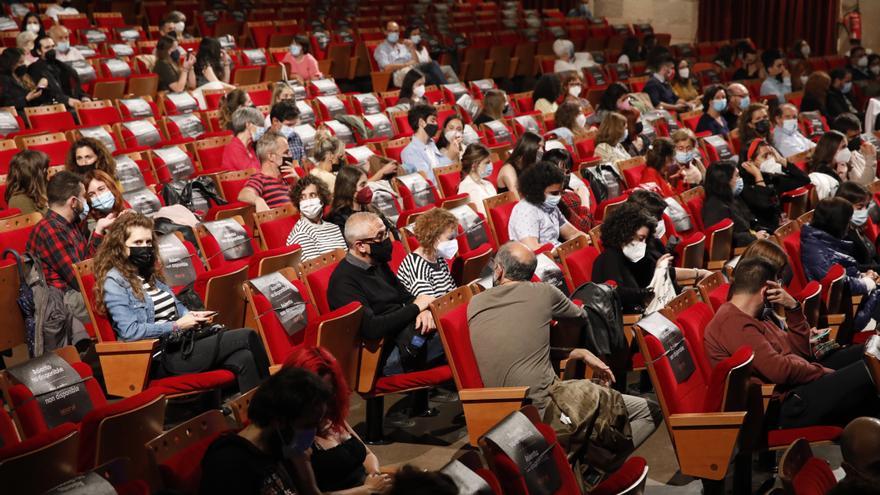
[(268, 143), (244, 116), (359, 226), (516, 269), (563, 48)]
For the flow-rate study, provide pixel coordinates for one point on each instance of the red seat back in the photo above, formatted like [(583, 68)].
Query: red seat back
[(814, 478), (692, 321), (457, 337), (57, 151), (633, 175), (580, 265), (695, 208), (101, 322), (500, 216), (214, 255), (449, 183), (60, 121), (99, 116), (792, 245), (279, 343), (275, 232), (319, 282), (685, 397)]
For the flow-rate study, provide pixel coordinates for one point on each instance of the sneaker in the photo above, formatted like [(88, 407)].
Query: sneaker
[(443, 396)]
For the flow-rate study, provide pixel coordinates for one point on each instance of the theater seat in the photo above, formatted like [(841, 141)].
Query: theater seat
[(802, 473), (577, 261), (499, 209), (40, 462)]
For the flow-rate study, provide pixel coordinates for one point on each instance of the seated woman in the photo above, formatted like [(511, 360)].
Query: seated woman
[(536, 219), (300, 64), (270, 454), (609, 142), (688, 159), (575, 204), (174, 66), (778, 173), (426, 269), (328, 155), (572, 87), (570, 122), (665, 239), (229, 103), (614, 99), (493, 107), (527, 151), (26, 182), (823, 244), (451, 140), (829, 165), (863, 248), (90, 154), (714, 105), (311, 232), (683, 83), (658, 163), (762, 172), (131, 292), (103, 195), (569, 61), (342, 463), (476, 166), (723, 188), (213, 65), (412, 90), (353, 194), (546, 94)]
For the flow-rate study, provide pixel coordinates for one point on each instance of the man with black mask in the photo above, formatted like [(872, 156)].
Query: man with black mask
[(839, 98), (62, 82), (864, 154)]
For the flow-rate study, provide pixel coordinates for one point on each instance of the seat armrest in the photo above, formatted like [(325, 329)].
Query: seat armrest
[(126, 365), (696, 456)]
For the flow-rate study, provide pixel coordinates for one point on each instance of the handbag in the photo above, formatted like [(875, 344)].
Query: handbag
[(181, 346)]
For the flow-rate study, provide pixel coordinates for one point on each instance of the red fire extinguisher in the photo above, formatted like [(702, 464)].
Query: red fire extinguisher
[(853, 23)]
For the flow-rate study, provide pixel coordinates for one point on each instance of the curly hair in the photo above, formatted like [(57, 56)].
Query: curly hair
[(296, 191), (105, 161), (112, 186), (622, 224), (566, 115), (431, 225), (111, 254), (28, 172), (321, 362), (229, 103), (535, 179), (548, 87)]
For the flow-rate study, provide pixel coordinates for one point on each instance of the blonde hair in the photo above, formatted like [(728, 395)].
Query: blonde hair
[(611, 129), (279, 88), (325, 144)]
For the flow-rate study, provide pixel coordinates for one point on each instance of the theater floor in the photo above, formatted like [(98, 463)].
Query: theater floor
[(432, 442)]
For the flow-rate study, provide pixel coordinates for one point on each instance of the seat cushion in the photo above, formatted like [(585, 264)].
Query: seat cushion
[(183, 471), (416, 379), (814, 478), (195, 382), (784, 437), (628, 475)]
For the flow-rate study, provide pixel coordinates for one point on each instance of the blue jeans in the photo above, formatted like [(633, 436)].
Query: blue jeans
[(435, 354)]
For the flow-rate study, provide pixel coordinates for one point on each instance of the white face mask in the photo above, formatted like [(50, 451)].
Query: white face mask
[(843, 156), (635, 251), (452, 135), (34, 28), (575, 90), (551, 200), (311, 208), (771, 166), (419, 91), (863, 61), (684, 73), (790, 126), (179, 26), (875, 69), (581, 120), (660, 231), (447, 249), (805, 50)]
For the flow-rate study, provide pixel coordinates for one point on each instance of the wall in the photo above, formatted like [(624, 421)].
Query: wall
[(682, 25), (870, 10)]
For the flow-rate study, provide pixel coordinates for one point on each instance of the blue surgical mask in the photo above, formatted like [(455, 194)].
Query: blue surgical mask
[(551, 200), (416, 39), (287, 131), (859, 217), (259, 133), (104, 202), (738, 188), (302, 441), (63, 47), (790, 126), (745, 102), (847, 87), (719, 105), (683, 157), (85, 210), (295, 50), (393, 37), (487, 171)]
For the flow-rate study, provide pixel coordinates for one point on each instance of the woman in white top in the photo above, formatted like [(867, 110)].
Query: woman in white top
[(476, 167), (568, 60), (425, 271), (609, 141), (547, 91), (311, 232)]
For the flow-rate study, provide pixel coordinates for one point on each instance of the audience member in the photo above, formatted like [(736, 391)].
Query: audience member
[(270, 453), (174, 66), (87, 154), (426, 269), (390, 312), (546, 94), (858, 446), (723, 189), (342, 463), (714, 103), (576, 195), (659, 162), (874, 69), (61, 36), (658, 87), (420, 47), (863, 154), (839, 98), (268, 188), (400, 56), (212, 64), (18, 89), (536, 219), (787, 137), (738, 102), (300, 64), (61, 82), (615, 99), (351, 195), (779, 176), (412, 89), (858, 64), (409, 480), (103, 194), (778, 81), (282, 92), (572, 88), (512, 344), (283, 118), (528, 150), (816, 93), (32, 24), (311, 232), (683, 83), (688, 158), (328, 154), (494, 102), (724, 57), (238, 153), (175, 23), (829, 164), (568, 60), (609, 141), (476, 167), (229, 103), (754, 123), (630, 53), (26, 182), (570, 122), (810, 392), (750, 67), (451, 140), (665, 237), (863, 249), (421, 154)]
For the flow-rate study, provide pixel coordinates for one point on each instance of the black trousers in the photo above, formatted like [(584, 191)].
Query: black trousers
[(240, 351), (835, 398)]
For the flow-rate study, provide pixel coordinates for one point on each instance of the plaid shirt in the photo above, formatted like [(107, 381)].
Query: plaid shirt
[(58, 244), (577, 215), (297, 150)]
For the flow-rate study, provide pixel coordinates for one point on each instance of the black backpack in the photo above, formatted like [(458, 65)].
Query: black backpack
[(605, 314)]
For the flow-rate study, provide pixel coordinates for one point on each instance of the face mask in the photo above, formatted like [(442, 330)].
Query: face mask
[(744, 102), (635, 251), (487, 171), (847, 87), (258, 133), (143, 258), (34, 28), (575, 90), (393, 37), (84, 212), (762, 127), (311, 208), (855, 143), (859, 217), (625, 105), (104, 202), (302, 440), (738, 188), (581, 120), (286, 131), (295, 50), (50, 55), (805, 51), (431, 129), (790, 126), (660, 231), (364, 196), (551, 200), (381, 251), (20, 71), (447, 249), (875, 69), (416, 39), (175, 55), (452, 135), (63, 47), (419, 91), (843, 156), (771, 166), (684, 73), (719, 105), (179, 27), (84, 169), (625, 135), (863, 61), (683, 157)]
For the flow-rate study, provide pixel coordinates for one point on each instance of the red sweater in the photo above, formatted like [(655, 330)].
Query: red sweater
[(780, 356)]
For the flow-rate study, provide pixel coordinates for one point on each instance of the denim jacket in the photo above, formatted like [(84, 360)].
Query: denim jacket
[(133, 318)]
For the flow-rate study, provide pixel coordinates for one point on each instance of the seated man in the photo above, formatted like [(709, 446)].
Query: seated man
[(58, 240), (832, 391), (858, 446), (421, 154), (787, 138), (268, 188), (660, 90), (510, 335), (778, 82), (283, 117), (390, 312), (840, 98), (63, 84), (400, 56), (61, 36)]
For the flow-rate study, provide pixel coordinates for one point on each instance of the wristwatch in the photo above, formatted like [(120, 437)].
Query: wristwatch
[(796, 307)]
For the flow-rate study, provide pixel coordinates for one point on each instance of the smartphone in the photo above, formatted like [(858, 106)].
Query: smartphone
[(208, 314)]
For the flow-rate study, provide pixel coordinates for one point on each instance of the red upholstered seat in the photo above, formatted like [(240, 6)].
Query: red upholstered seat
[(814, 478), (36, 442), (57, 150), (633, 175), (500, 216), (16, 239), (692, 321), (402, 125), (792, 245), (449, 183), (319, 281), (718, 296), (414, 379), (184, 384), (398, 253), (603, 206), (214, 255), (585, 148), (695, 208), (580, 265), (781, 438), (90, 117), (8, 433), (457, 338), (393, 152), (279, 343), (59, 121), (633, 471), (183, 471)]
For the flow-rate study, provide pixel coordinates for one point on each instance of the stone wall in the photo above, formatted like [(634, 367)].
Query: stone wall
[(676, 17)]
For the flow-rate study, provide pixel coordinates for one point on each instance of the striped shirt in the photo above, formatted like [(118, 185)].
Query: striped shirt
[(315, 238), (274, 190), (164, 308), (420, 276)]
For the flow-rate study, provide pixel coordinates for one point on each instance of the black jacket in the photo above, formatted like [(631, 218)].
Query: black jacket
[(864, 250), (837, 103), (820, 250), (63, 82), (716, 210), (632, 278), (13, 93)]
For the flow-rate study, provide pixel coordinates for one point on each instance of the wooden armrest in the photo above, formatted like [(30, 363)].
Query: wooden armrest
[(835, 319), (485, 407), (767, 393), (126, 365), (631, 319), (715, 265), (696, 455), (275, 368), (371, 353), (127, 347)]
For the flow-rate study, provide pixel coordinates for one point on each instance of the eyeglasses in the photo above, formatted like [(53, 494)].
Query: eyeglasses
[(381, 236)]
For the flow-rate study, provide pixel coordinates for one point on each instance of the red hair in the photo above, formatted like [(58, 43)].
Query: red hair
[(320, 362)]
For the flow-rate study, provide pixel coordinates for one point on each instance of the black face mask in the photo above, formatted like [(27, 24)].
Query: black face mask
[(50, 55), (143, 258), (84, 169), (855, 143), (762, 127), (21, 70), (431, 129), (381, 251), (175, 55)]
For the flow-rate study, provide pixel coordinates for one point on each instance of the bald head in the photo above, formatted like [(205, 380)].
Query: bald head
[(392, 27), (515, 262), (860, 447), (738, 88)]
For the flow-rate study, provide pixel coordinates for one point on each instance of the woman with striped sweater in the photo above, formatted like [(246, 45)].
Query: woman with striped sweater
[(425, 271)]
